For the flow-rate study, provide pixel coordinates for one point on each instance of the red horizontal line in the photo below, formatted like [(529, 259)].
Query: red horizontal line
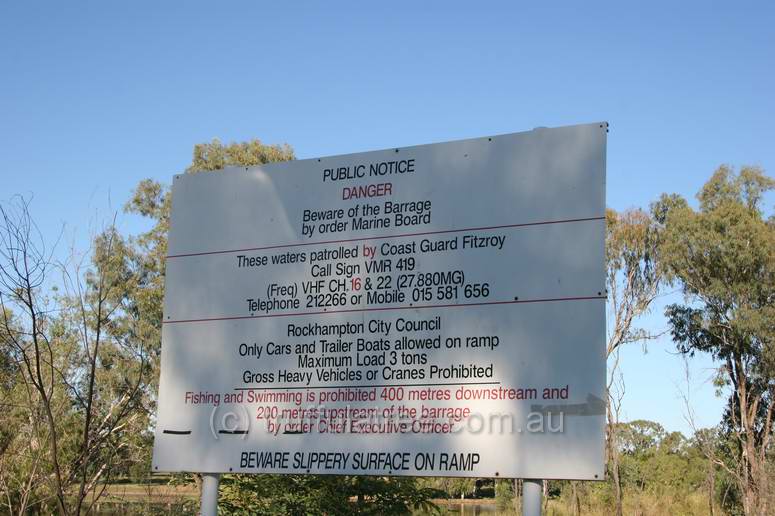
[(383, 309), (323, 242)]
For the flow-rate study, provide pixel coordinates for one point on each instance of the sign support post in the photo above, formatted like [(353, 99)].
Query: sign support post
[(532, 490), (209, 503)]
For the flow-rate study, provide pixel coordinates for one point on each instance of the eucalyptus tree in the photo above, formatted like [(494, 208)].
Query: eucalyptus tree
[(722, 255), (633, 282)]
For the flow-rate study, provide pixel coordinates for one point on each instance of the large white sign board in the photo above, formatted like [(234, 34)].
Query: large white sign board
[(429, 310)]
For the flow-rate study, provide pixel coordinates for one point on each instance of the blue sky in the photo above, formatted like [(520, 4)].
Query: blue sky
[(97, 96)]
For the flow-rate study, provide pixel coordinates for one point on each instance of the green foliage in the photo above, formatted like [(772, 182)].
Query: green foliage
[(454, 487), (72, 391), (661, 473), (723, 257), (631, 248), (216, 156), (633, 274), (322, 494), (504, 494), (658, 461)]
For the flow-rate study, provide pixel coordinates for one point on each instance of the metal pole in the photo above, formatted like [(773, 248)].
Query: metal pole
[(209, 504), (532, 491)]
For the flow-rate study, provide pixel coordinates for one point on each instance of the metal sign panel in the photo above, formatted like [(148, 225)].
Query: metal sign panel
[(431, 310)]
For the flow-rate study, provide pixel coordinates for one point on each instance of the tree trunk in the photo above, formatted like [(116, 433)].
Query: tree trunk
[(575, 499), (613, 459), (711, 488), (752, 468), (617, 484)]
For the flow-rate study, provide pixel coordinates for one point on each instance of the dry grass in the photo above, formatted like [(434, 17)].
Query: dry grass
[(641, 504)]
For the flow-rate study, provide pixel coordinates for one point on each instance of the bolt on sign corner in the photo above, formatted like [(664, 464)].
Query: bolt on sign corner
[(431, 310)]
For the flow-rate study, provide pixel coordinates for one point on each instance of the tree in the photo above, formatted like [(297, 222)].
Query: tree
[(633, 279), (723, 257), (216, 156), (70, 416)]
